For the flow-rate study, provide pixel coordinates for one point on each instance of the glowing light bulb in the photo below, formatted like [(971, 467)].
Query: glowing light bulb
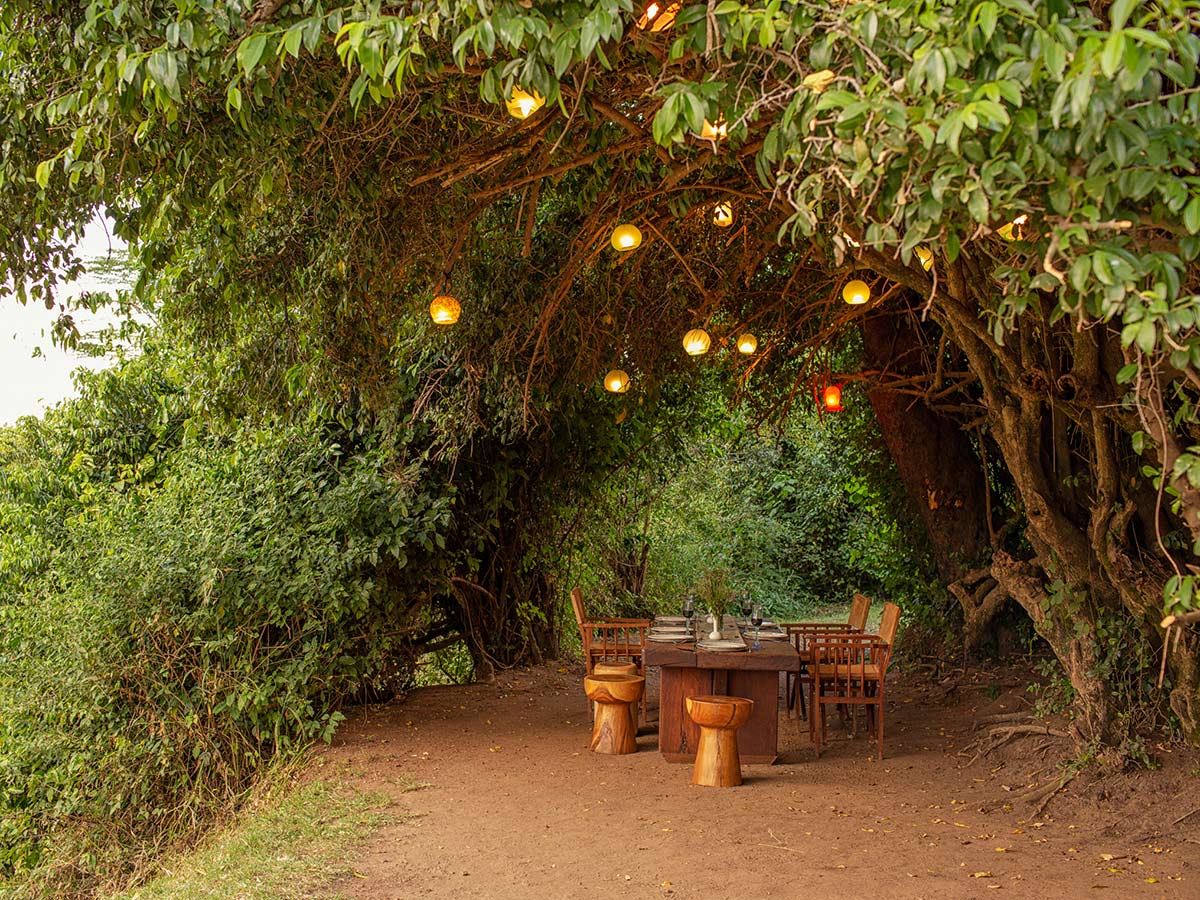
[(522, 104), (444, 310), (626, 237), (831, 398), (714, 132), (722, 215), (856, 292), (696, 342), (616, 381)]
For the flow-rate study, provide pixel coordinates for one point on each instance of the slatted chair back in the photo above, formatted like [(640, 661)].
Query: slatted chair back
[(888, 623), (860, 608), (848, 670), (610, 639), (801, 633), (577, 605)]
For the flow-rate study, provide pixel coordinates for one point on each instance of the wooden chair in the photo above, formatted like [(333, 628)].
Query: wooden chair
[(611, 640), (850, 670), (801, 633)]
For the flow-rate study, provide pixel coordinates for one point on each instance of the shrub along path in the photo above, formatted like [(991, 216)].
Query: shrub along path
[(516, 807)]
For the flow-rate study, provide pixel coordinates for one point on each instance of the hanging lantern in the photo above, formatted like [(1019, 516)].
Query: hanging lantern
[(523, 104), (659, 15), (831, 398), (444, 310), (626, 237), (696, 342), (722, 215), (717, 132), (616, 381), (925, 256), (856, 292), (1013, 230), (747, 343)]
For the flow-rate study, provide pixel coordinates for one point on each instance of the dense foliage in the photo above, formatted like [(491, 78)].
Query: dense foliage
[(298, 179)]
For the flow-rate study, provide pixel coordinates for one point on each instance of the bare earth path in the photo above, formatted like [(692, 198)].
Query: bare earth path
[(516, 807)]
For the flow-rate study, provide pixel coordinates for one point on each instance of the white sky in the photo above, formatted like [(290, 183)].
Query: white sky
[(29, 385)]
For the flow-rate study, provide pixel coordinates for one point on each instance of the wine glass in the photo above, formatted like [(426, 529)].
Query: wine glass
[(756, 619), (747, 605), (689, 609)]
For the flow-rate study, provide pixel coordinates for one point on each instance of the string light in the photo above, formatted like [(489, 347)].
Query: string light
[(831, 398), (616, 381), (696, 342), (444, 310), (523, 104), (659, 15), (856, 292), (626, 237), (1013, 231)]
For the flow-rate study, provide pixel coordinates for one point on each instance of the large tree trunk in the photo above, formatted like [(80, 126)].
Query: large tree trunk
[(933, 456)]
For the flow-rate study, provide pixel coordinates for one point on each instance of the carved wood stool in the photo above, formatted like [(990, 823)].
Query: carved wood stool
[(717, 762), (613, 730), (617, 668)]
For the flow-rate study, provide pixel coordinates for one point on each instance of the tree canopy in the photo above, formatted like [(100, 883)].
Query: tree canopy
[(1015, 182)]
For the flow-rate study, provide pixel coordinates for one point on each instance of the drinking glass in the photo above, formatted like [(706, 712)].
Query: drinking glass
[(747, 605), (756, 619)]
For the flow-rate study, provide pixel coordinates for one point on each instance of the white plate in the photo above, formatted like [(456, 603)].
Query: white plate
[(673, 620), (669, 638), (721, 645)]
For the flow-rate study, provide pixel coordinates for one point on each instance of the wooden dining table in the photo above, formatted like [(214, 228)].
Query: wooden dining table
[(687, 671)]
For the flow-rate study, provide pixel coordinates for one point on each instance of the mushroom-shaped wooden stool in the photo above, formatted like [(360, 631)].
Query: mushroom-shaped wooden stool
[(613, 730), (717, 762), (617, 668)]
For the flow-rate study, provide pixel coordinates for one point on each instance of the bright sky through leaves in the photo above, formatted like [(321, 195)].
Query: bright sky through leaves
[(30, 383)]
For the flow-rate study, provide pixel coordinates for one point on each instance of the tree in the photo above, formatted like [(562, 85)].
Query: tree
[(299, 173)]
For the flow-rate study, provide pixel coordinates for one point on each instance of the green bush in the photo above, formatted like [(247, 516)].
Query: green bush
[(176, 637)]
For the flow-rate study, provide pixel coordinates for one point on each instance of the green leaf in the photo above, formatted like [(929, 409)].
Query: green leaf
[(589, 36), (1146, 336), (250, 51), (1191, 215), (1112, 54), (1118, 15), (42, 174), (988, 13)]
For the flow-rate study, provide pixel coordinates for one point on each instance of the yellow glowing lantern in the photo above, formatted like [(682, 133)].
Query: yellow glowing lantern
[(856, 292), (722, 215), (659, 15), (831, 398), (616, 381), (626, 237), (717, 132), (747, 343), (696, 342), (523, 104), (925, 256), (444, 310), (1013, 231)]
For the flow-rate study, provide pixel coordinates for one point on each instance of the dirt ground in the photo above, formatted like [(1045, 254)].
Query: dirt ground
[(517, 807)]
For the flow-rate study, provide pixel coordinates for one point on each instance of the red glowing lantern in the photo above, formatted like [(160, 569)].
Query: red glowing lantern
[(831, 398)]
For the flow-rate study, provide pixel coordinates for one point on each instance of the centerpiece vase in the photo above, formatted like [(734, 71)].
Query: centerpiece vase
[(715, 634)]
